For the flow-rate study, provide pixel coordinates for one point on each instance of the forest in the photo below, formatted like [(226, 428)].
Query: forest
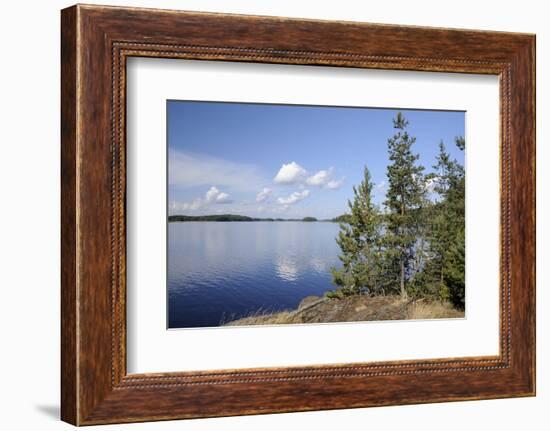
[(413, 244)]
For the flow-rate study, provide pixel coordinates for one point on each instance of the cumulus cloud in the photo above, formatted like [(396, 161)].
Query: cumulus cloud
[(335, 184), (320, 178), (293, 173), (263, 195), (212, 196), (223, 198), (325, 178), (290, 173), (294, 197)]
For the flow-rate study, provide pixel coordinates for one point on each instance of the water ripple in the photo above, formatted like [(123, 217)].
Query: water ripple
[(218, 271)]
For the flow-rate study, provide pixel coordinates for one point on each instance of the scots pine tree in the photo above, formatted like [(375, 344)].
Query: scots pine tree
[(446, 234), (460, 142), (404, 202), (454, 273), (441, 233), (359, 243)]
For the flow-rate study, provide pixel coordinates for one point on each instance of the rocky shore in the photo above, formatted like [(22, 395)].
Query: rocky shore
[(357, 308)]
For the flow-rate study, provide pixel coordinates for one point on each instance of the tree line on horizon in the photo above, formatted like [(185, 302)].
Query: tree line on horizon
[(414, 246), (234, 218)]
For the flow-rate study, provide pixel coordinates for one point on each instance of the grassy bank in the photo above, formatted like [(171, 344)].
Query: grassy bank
[(353, 309)]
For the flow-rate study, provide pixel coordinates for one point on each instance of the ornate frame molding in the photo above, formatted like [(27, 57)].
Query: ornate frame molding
[(96, 41)]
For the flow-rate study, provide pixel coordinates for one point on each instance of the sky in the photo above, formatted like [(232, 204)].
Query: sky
[(288, 161)]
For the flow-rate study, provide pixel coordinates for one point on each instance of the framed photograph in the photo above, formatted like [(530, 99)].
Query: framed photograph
[(266, 215), (255, 238)]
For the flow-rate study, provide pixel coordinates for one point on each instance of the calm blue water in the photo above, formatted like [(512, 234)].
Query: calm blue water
[(221, 271)]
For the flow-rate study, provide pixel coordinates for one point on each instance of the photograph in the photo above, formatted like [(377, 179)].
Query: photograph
[(299, 214)]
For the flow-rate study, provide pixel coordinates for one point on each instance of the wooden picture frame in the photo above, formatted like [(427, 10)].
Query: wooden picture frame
[(95, 43)]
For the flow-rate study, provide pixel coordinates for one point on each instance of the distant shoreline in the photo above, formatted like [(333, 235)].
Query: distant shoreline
[(236, 218), (241, 218)]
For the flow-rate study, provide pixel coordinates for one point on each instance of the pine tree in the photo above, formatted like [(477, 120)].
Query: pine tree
[(441, 235), (455, 264), (404, 201), (460, 142), (454, 274), (446, 234), (358, 240)]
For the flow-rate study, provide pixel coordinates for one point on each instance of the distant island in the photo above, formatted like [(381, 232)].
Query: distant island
[(235, 217)]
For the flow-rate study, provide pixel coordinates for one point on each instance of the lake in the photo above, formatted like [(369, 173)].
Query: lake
[(221, 271)]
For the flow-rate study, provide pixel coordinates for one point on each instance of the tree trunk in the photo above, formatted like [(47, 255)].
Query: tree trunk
[(441, 283), (402, 261), (402, 281)]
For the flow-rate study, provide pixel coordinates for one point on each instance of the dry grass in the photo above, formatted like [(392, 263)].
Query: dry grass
[(352, 309), (265, 318), (433, 310)]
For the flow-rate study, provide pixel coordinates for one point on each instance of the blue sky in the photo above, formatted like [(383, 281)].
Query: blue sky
[(287, 161)]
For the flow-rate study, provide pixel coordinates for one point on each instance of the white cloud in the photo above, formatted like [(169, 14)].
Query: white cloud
[(294, 197), (192, 170), (263, 195), (212, 196), (431, 183), (186, 206), (223, 198), (320, 178), (293, 173), (290, 173), (325, 178), (335, 184)]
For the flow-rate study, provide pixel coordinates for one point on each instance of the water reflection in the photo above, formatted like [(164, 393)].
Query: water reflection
[(286, 268), (218, 269), (320, 265)]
